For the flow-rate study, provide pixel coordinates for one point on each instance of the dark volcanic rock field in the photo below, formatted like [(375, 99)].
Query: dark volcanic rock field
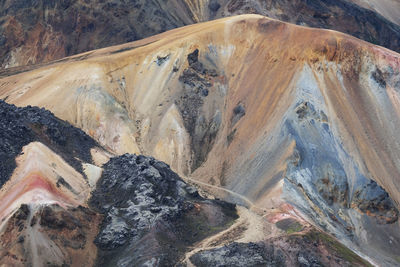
[(21, 126), (151, 215), (310, 249)]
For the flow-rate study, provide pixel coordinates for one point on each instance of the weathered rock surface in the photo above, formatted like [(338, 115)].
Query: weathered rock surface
[(49, 235), (330, 179), (21, 126), (198, 80), (312, 248), (42, 220), (373, 200), (151, 215), (308, 117), (345, 201), (238, 254)]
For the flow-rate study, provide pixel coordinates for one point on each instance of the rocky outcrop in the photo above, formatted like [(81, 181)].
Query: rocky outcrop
[(312, 248), (21, 126), (45, 231), (197, 81), (373, 200), (151, 215), (311, 121), (39, 214), (239, 254), (328, 179), (323, 181)]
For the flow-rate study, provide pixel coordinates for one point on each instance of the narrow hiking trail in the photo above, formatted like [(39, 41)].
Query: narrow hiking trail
[(248, 203), (249, 227)]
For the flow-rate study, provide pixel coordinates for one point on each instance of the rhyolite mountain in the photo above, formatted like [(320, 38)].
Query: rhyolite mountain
[(38, 31), (131, 211), (297, 126)]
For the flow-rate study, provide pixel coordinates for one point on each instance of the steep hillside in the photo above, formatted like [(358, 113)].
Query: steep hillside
[(33, 32), (127, 210), (253, 110), (47, 169), (390, 9), (38, 31), (371, 22)]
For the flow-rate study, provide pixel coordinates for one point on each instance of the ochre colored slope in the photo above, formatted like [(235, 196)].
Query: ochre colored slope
[(260, 58), (268, 110), (35, 32)]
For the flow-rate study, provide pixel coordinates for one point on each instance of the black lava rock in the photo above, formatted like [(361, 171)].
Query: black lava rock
[(134, 193), (193, 57), (151, 215), (238, 112), (21, 126), (198, 81), (239, 254), (375, 201), (214, 5)]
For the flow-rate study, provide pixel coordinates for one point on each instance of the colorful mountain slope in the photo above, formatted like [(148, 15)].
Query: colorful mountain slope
[(33, 32), (254, 110)]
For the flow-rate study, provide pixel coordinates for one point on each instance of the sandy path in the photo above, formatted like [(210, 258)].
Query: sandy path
[(248, 203), (250, 227)]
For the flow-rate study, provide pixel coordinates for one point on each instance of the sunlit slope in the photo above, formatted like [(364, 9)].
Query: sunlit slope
[(47, 172), (36, 32), (265, 109)]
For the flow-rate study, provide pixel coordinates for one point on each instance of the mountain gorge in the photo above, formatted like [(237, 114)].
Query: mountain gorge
[(242, 141)]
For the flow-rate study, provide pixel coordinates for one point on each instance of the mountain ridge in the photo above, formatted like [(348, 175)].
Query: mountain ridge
[(131, 209), (34, 32), (252, 105)]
